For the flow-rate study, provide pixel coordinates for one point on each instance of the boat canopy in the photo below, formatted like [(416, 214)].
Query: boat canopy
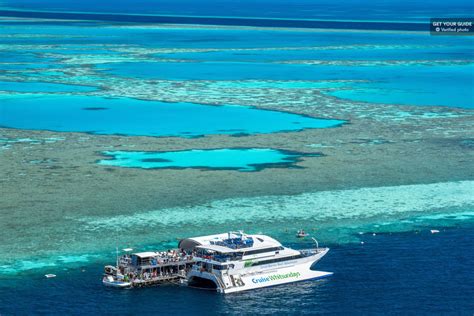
[(214, 242), (146, 254), (189, 244)]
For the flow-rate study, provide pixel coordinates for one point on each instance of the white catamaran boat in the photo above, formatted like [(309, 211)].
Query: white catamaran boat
[(234, 262)]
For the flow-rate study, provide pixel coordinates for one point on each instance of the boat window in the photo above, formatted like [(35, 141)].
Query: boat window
[(256, 263), (254, 252), (219, 267)]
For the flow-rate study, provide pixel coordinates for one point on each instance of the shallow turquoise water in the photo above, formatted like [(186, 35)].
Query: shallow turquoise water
[(135, 117), (408, 85), (345, 45), (23, 66), (362, 51), (241, 159), (445, 86), (42, 87), (239, 54)]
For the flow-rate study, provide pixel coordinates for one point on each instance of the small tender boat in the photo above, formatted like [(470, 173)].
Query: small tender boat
[(114, 278), (110, 280), (301, 233), (50, 275)]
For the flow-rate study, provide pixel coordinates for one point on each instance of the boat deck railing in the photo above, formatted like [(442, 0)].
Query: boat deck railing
[(164, 264), (159, 278), (313, 251), (222, 258), (234, 243), (155, 262)]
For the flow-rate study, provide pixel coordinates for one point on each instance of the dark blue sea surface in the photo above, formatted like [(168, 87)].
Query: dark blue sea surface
[(347, 14), (412, 272), (404, 10)]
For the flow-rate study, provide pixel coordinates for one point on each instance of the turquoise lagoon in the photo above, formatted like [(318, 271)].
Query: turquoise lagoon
[(240, 159), (352, 52), (444, 86), (124, 116), (42, 87)]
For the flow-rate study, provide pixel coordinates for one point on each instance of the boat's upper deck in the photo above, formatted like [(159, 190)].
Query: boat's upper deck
[(235, 246), (231, 242)]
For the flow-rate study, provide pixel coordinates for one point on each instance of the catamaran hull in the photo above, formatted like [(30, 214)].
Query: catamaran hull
[(253, 278), (252, 283)]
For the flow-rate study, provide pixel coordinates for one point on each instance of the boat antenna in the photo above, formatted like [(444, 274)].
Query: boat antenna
[(116, 249), (116, 255), (314, 239)]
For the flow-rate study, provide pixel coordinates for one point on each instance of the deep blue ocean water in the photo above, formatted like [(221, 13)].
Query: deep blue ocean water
[(347, 14), (412, 272), (404, 10)]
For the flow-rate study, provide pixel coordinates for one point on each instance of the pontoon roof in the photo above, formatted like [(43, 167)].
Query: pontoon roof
[(146, 254)]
